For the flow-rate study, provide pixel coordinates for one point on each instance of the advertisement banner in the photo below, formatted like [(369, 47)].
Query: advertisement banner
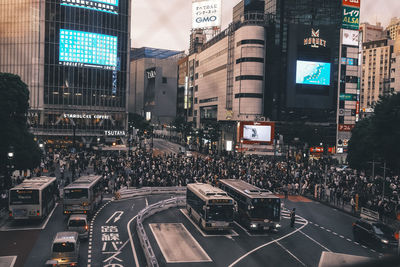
[(350, 37), (206, 14), (346, 127), (351, 18), (353, 3), (256, 132)]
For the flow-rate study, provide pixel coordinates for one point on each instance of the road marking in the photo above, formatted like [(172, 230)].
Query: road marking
[(363, 246), (147, 203), (290, 253), (316, 241), (341, 236), (316, 224), (133, 205), (184, 211), (167, 233), (348, 239), (328, 230), (356, 243), (131, 241), (334, 233), (116, 217), (266, 244)]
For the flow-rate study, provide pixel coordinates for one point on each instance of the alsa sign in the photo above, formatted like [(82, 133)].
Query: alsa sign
[(353, 3), (351, 18), (315, 41)]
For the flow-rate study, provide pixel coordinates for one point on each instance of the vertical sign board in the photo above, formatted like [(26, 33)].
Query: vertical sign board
[(206, 13), (352, 3), (351, 17)]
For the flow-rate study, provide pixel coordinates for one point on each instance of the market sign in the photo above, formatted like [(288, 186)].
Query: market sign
[(346, 127), (348, 97), (351, 18), (314, 41), (353, 3)]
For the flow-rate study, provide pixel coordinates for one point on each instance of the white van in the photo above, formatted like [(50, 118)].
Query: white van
[(64, 249), (78, 223)]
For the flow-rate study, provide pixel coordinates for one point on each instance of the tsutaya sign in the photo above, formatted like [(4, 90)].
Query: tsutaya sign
[(314, 40), (87, 116), (114, 133)]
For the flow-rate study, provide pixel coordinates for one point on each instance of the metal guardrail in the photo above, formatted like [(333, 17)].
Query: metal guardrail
[(144, 191), (147, 212)]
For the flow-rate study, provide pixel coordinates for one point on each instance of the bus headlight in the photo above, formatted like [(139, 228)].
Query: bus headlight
[(277, 225), (253, 225), (385, 241)]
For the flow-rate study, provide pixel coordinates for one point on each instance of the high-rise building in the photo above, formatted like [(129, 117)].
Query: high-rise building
[(376, 69), (153, 83), (74, 56), (305, 37), (393, 30), (183, 95), (371, 32)]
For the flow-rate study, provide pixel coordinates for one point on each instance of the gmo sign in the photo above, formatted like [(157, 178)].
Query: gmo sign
[(206, 19)]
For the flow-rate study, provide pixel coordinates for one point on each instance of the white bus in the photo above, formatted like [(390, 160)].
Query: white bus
[(211, 207), (33, 198), (257, 209), (84, 195)]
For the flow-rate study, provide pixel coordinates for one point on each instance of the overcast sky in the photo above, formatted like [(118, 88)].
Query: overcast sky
[(166, 23)]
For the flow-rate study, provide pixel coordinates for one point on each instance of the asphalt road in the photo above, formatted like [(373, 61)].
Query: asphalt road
[(319, 228), (165, 146)]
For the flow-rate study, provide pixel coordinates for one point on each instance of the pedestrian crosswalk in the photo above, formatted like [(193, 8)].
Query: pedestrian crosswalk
[(285, 214)]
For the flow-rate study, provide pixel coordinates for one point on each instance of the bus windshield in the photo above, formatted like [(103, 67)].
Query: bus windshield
[(220, 213), (75, 193), (26, 196), (265, 209)]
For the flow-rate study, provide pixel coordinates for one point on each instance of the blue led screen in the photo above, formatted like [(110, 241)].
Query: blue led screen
[(109, 6), (88, 49), (314, 73)]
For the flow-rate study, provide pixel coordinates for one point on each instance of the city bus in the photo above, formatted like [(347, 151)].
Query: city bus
[(257, 209), (84, 195), (33, 198), (209, 206)]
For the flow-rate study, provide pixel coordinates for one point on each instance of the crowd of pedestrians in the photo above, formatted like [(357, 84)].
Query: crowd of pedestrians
[(321, 179)]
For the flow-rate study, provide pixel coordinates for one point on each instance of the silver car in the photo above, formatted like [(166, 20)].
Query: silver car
[(78, 223), (64, 249)]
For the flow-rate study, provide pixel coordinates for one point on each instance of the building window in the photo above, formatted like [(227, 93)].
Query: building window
[(197, 63), (249, 77), (250, 41), (207, 100), (164, 79), (248, 95), (195, 100), (249, 59), (195, 113), (196, 76), (196, 88)]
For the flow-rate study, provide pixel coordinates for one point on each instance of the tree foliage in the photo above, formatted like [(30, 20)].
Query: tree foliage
[(377, 137), (14, 134), (139, 123)]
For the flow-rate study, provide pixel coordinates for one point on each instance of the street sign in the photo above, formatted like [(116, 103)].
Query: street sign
[(348, 97)]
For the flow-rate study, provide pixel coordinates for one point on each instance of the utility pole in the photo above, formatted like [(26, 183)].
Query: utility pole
[(373, 162)]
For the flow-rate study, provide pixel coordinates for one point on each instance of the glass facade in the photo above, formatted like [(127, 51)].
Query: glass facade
[(292, 21), (74, 60)]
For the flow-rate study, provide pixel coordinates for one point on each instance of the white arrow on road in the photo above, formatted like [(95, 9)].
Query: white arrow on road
[(116, 217)]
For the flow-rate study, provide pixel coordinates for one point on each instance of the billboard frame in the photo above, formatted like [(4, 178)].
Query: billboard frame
[(241, 125)]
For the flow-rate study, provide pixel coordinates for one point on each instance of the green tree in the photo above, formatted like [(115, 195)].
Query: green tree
[(377, 137), (183, 127), (139, 123), (14, 104)]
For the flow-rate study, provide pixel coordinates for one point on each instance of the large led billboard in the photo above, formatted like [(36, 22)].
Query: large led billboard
[(110, 6), (206, 14), (313, 73), (256, 132), (88, 49)]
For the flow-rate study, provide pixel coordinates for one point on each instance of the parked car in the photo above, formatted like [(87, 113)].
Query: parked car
[(64, 249), (79, 223), (376, 235)]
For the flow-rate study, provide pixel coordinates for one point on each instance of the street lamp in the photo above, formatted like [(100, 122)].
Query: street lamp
[(10, 155)]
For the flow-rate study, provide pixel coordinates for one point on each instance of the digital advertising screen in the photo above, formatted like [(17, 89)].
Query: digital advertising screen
[(109, 6), (256, 132), (313, 73), (86, 49)]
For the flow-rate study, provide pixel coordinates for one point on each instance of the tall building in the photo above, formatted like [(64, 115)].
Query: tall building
[(371, 32), (183, 101), (305, 35), (153, 83), (376, 70), (393, 30), (395, 68), (74, 56)]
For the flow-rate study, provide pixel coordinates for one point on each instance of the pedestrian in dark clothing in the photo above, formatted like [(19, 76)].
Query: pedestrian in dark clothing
[(292, 217)]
